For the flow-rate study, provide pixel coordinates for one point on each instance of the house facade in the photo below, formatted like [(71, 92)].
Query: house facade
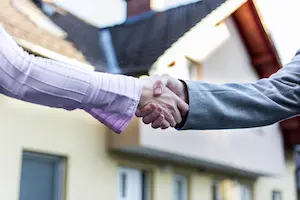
[(53, 154)]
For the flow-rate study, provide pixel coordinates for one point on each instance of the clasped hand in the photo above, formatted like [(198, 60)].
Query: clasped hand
[(163, 102)]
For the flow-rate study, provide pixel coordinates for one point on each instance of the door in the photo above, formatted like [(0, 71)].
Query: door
[(130, 184)]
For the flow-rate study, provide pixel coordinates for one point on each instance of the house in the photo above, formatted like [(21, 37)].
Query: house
[(54, 154), (230, 44)]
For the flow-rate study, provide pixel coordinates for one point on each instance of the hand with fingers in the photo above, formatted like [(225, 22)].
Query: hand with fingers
[(163, 102), (162, 110)]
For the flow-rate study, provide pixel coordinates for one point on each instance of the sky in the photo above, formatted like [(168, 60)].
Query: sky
[(281, 17), (105, 13)]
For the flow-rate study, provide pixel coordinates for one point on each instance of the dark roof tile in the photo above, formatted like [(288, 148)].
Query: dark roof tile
[(84, 36), (140, 43)]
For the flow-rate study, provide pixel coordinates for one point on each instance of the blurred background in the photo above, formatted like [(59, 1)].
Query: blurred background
[(52, 154)]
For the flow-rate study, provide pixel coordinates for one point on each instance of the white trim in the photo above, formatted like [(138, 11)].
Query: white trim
[(50, 54), (203, 27), (133, 184), (183, 180)]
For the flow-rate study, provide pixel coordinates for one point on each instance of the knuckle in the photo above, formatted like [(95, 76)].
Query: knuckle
[(152, 106), (158, 83), (171, 108), (158, 110)]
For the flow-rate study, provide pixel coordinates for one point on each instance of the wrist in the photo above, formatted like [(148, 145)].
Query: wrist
[(185, 97), (184, 92)]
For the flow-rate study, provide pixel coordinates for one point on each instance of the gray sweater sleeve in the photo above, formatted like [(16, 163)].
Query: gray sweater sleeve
[(231, 106)]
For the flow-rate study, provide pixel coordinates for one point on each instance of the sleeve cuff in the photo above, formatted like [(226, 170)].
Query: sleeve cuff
[(184, 118)]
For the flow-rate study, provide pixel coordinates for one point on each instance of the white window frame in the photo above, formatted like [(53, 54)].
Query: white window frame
[(217, 195), (143, 181), (246, 193), (276, 195), (184, 181)]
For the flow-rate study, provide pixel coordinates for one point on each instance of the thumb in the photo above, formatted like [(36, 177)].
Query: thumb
[(159, 85)]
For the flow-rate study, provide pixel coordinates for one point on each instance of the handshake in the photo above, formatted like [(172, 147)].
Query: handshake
[(163, 102)]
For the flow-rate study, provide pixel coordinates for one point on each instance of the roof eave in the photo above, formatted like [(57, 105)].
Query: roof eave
[(43, 52)]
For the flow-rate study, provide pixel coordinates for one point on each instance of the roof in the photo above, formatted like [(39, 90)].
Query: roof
[(21, 27), (139, 42), (135, 54), (84, 36)]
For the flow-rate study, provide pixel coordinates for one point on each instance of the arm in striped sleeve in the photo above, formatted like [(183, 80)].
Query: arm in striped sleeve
[(112, 99)]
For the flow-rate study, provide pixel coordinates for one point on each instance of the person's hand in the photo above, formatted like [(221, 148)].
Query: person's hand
[(162, 84), (162, 110), (175, 85)]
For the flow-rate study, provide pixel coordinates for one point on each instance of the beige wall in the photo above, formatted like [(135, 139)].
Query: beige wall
[(200, 187), (162, 184), (91, 173), (284, 183), (230, 62), (91, 169)]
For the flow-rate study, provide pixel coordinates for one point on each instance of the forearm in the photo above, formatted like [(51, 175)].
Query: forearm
[(111, 98), (231, 106)]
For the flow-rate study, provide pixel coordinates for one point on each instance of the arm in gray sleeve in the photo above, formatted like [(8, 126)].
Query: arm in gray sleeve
[(231, 106)]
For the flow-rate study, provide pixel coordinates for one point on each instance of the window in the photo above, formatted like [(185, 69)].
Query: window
[(245, 192), (180, 187), (123, 184), (216, 195), (42, 177), (133, 184), (276, 195), (193, 69)]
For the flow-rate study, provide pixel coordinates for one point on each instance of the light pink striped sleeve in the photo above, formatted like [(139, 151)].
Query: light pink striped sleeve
[(112, 99), (122, 93)]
